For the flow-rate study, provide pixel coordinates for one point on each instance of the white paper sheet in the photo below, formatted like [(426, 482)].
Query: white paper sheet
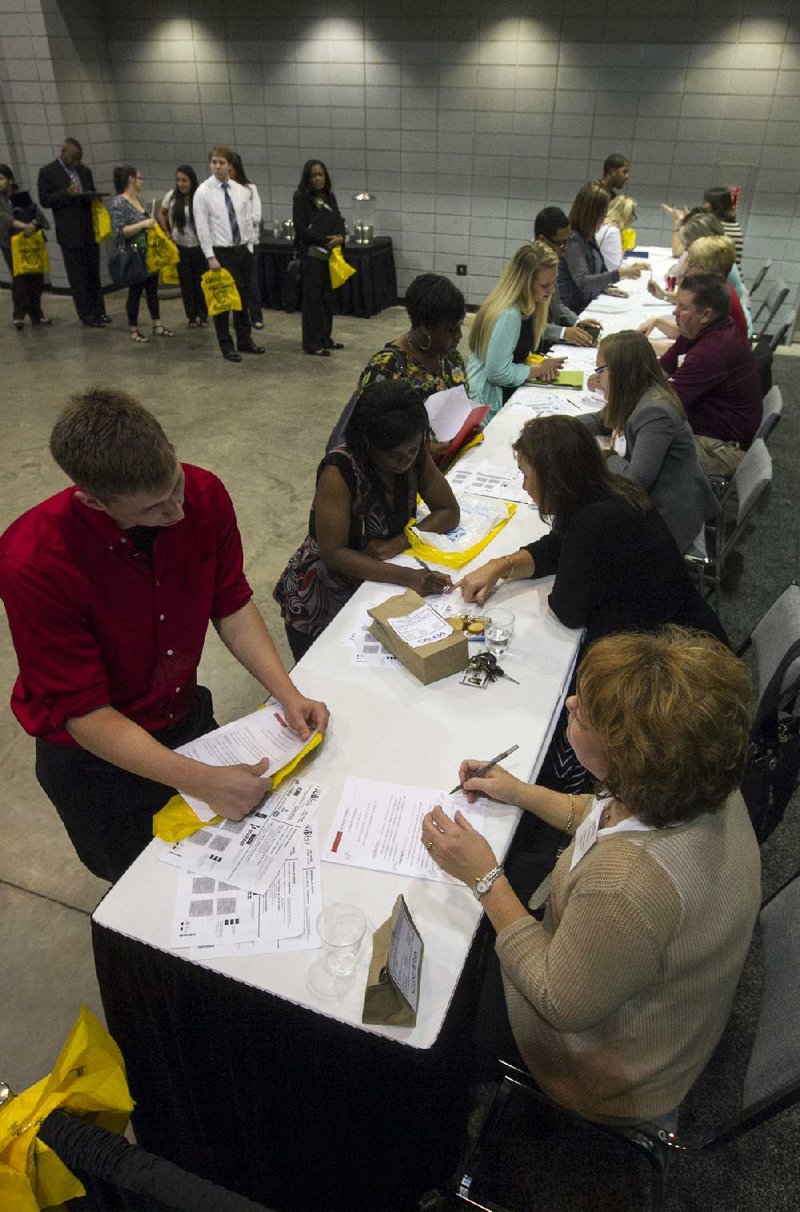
[(405, 950), (379, 825), (261, 734), (249, 853), (423, 626), (210, 911), (447, 411), (485, 479)]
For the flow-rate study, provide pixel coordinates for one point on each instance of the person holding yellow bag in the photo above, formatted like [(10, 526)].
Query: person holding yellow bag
[(176, 216), (19, 214), (131, 224), (318, 229)]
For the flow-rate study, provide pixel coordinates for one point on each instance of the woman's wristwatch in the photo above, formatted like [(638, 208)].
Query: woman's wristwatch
[(484, 882)]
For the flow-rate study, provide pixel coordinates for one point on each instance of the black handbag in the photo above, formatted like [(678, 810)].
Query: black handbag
[(126, 266), (293, 269), (772, 770)]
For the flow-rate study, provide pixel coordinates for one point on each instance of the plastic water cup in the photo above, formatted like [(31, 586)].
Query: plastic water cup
[(498, 629), (341, 929)]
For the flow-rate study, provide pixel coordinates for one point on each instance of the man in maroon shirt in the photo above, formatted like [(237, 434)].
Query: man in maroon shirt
[(109, 588), (714, 373)]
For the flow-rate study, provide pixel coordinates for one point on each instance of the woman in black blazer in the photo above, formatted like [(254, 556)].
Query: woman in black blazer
[(318, 228)]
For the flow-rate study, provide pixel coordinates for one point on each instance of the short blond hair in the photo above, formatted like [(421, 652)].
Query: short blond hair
[(713, 255), (621, 211), (671, 708)]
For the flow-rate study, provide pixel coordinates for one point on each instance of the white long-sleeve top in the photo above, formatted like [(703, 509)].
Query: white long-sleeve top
[(211, 220)]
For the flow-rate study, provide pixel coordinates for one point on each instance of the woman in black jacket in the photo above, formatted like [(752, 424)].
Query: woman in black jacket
[(318, 228)]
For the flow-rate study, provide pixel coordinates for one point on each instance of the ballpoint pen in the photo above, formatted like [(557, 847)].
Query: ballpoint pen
[(482, 770)]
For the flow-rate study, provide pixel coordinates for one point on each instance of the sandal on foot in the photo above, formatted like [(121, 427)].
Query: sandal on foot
[(160, 331), (318, 353), (138, 337), (19, 325)]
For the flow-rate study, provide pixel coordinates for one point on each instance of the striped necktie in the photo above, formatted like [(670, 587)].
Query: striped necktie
[(235, 233)]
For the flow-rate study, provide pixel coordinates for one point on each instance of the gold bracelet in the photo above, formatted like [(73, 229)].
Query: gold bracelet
[(571, 821), (510, 568)]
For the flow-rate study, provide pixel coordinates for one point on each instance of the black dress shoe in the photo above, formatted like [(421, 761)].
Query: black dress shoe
[(230, 355), (318, 353), (104, 319), (252, 349)]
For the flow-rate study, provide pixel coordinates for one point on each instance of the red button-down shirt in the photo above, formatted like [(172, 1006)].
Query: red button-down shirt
[(96, 622)]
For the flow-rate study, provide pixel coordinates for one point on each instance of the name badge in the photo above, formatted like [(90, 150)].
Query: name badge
[(586, 835)]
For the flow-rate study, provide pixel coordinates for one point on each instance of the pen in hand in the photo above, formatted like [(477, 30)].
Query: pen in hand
[(482, 770)]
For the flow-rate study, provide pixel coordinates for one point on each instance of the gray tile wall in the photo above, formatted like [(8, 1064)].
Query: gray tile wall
[(463, 116)]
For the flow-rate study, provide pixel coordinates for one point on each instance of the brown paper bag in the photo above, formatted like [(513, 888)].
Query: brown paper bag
[(384, 1000)]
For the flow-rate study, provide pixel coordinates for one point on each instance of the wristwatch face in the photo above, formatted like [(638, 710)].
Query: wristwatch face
[(485, 882)]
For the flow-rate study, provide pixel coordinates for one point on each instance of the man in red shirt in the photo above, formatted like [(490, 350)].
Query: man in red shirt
[(109, 588)]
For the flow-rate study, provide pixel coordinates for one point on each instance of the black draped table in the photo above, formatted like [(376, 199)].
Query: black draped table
[(371, 288)]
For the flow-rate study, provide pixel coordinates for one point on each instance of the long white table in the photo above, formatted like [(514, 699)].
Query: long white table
[(386, 726)]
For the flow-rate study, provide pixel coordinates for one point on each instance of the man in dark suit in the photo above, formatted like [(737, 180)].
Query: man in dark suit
[(67, 187)]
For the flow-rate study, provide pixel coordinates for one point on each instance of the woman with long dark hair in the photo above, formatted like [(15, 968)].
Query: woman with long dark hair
[(582, 272), (253, 300), (366, 493), (318, 228), (131, 223), (177, 220), (719, 200)]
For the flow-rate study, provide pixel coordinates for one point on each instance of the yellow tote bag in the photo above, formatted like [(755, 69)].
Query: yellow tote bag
[(29, 254), (101, 221), (161, 250), (220, 291), (168, 275), (87, 1078), (628, 238), (340, 271)]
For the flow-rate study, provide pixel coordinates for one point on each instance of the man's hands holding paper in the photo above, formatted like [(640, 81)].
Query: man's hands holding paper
[(305, 716)]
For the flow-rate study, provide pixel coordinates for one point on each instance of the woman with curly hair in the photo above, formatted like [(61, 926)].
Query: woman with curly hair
[(617, 998)]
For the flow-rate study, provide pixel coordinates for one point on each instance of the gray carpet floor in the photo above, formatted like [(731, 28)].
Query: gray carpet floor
[(543, 1165)]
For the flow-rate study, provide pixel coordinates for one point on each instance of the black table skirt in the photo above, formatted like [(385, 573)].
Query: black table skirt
[(372, 288), (285, 1106)]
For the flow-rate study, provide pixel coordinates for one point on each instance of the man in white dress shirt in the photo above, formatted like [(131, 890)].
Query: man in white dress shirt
[(223, 219)]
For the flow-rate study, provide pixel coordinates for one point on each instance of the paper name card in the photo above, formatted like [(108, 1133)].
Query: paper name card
[(391, 997)]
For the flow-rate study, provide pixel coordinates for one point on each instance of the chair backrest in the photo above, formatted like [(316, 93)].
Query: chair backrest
[(775, 296), (751, 478), (774, 1069), (783, 327), (760, 276), (772, 410), (771, 639)]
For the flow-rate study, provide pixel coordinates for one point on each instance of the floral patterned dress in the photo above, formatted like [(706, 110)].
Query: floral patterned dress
[(308, 594)]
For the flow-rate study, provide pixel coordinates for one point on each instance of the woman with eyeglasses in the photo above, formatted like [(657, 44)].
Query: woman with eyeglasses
[(659, 450), (366, 493)]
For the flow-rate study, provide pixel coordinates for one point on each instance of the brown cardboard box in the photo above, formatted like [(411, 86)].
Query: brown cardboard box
[(428, 663)]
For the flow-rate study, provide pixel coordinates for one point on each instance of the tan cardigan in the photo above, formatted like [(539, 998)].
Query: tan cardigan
[(619, 997)]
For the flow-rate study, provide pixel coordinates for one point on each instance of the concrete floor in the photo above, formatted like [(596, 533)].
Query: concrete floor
[(261, 426)]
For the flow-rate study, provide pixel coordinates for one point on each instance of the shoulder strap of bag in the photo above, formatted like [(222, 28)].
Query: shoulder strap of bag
[(770, 700)]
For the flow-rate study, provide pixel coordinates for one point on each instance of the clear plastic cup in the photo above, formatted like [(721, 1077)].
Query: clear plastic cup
[(498, 629), (341, 929)]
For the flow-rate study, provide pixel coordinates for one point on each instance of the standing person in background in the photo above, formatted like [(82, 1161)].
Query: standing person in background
[(67, 188), (131, 221), (20, 214), (616, 170), (553, 228), (318, 228), (719, 201), (509, 326), (223, 216), (582, 273), (177, 219), (616, 236), (254, 290)]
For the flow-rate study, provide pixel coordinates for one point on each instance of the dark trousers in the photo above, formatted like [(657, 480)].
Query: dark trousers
[(254, 293), (299, 641), (108, 812), (26, 292), (83, 274), (237, 261), (191, 268), (316, 303), (150, 289)]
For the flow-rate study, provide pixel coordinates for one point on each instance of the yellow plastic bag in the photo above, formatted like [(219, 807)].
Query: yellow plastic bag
[(168, 275), (161, 250), (177, 819), (88, 1078), (628, 239), (101, 221), (220, 291), (453, 559), (29, 254), (340, 271)]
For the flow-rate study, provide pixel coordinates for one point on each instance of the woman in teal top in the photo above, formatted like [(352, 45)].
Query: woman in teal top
[(509, 326)]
